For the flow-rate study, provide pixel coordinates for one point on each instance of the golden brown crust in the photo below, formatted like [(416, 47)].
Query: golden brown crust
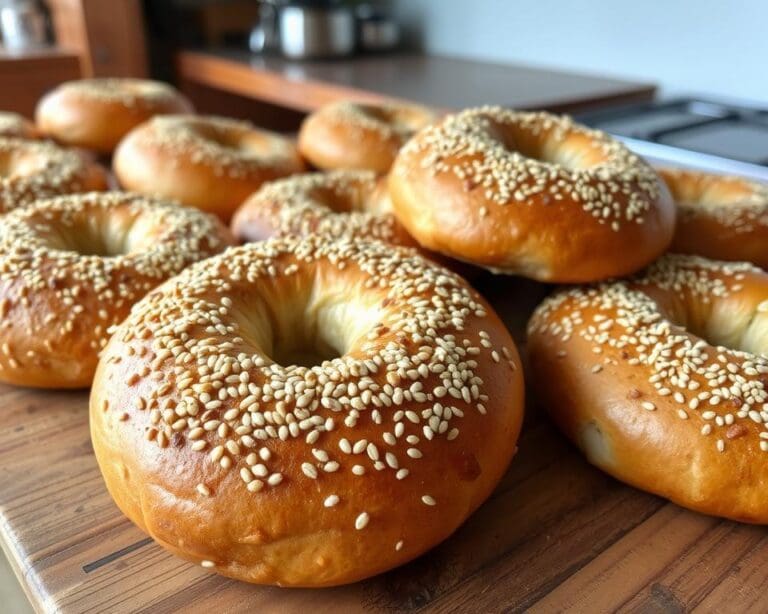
[(31, 170), (17, 126), (96, 114), (340, 204), (348, 135), (72, 266), (637, 374), (719, 216), (210, 163), (306, 476), (533, 194)]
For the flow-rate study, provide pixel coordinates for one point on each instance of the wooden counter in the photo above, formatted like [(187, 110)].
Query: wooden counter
[(555, 535), (442, 82)]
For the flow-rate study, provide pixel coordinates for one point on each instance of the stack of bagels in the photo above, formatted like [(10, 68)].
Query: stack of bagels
[(292, 384)]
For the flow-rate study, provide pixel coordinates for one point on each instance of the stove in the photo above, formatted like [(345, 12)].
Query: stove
[(691, 132)]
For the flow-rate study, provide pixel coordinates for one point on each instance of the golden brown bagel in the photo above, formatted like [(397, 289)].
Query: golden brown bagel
[(213, 439), (211, 163), (18, 126), (30, 170), (532, 194), (72, 266), (96, 113), (661, 380), (338, 204), (719, 216), (348, 135)]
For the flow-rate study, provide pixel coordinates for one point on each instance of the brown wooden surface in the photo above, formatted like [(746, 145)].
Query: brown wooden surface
[(442, 82), (107, 35), (24, 77), (555, 535)]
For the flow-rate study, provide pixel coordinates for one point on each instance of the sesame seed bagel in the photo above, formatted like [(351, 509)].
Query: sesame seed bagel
[(719, 216), (532, 194), (306, 412), (337, 204), (661, 380), (96, 114), (72, 266), (348, 135), (211, 163), (15, 125), (30, 170)]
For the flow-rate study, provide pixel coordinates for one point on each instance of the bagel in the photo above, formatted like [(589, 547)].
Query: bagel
[(337, 204), (718, 216), (306, 412), (15, 125), (72, 266), (96, 114), (30, 170), (211, 163), (348, 135), (532, 194), (661, 380)]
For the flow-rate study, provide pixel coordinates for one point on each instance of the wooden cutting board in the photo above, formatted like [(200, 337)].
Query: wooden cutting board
[(556, 534)]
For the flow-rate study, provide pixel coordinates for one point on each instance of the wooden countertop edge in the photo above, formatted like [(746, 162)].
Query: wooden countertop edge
[(254, 82), (24, 575), (307, 95)]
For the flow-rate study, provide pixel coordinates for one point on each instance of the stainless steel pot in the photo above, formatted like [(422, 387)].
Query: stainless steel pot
[(313, 32), (305, 29)]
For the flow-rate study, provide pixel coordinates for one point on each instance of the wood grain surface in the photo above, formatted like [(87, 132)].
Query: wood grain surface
[(556, 535), (441, 82)]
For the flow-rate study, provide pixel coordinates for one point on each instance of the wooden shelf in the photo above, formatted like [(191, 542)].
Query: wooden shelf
[(441, 82), (555, 535), (26, 76)]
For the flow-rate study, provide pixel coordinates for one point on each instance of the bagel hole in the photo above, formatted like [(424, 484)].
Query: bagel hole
[(306, 322), (105, 233), (723, 323), (544, 148)]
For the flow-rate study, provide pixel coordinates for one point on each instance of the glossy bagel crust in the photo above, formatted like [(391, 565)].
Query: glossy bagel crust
[(532, 194), (719, 216), (640, 376), (340, 204), (30, 170), (306, 475), (96, 114), (72, 266), (348, 135), (210, 163), (18, 126)]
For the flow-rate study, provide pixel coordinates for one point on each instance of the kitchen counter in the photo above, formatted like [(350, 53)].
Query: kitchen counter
[(555, 535), (441, 82)]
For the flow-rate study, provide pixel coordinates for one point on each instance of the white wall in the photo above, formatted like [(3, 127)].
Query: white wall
[(716, 47)]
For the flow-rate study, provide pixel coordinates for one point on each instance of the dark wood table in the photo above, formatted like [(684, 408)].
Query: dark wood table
[(556, 535), (441, 82)]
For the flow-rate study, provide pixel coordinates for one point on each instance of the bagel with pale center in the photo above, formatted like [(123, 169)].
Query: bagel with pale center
[(72, 266), (719, 216), (306, 412), (350, 135), (30, 170), (662, 380), (532, 194), (210, 163), (95, 114), (341, 204)]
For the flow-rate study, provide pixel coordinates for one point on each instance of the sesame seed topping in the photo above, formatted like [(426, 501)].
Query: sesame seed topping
[(362, 521)]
